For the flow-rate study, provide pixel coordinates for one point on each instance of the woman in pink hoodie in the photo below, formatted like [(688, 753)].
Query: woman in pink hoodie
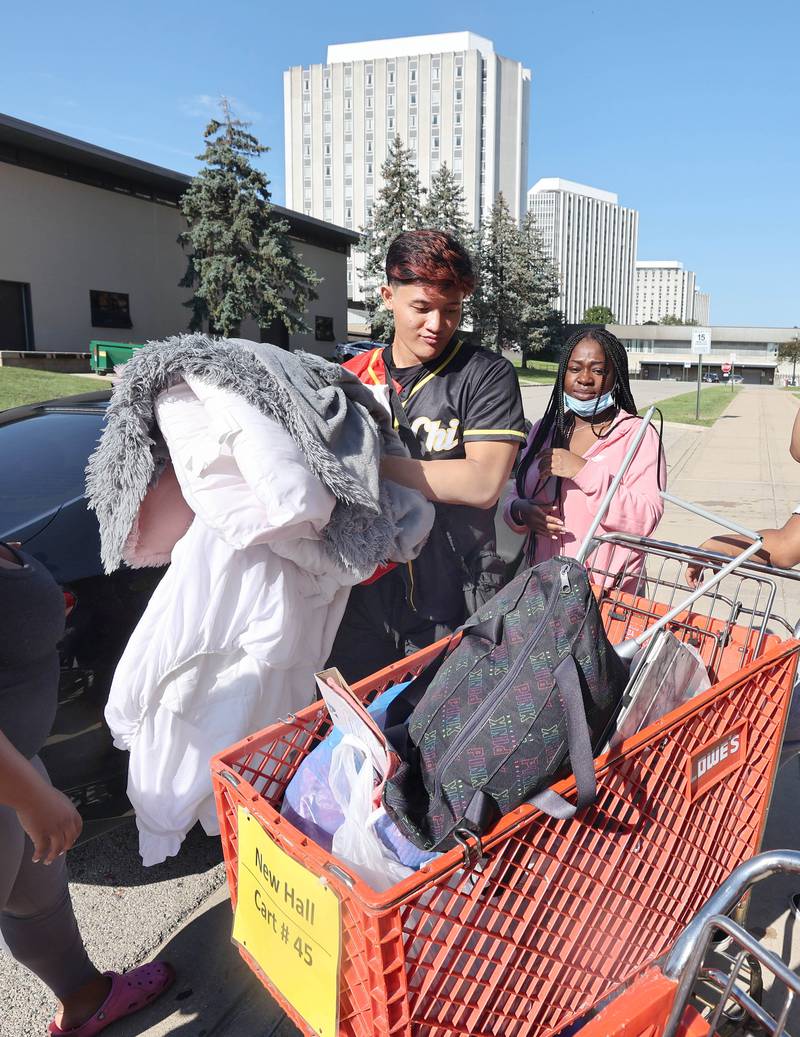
[(572, 455)]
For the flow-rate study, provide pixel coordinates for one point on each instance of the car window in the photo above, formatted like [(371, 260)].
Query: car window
[(42, 462)]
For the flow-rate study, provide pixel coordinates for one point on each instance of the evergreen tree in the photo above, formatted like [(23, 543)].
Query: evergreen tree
[(241, 261), (496, 303), (445, 208), (540, 324), (398, 208)]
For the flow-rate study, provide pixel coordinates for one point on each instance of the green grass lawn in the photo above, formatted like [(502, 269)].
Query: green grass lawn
[(19, 385), (538, 372), (713, 401)]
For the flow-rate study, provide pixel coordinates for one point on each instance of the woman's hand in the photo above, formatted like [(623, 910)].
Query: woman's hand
[(560, 463), (540, 520), (51, 821)]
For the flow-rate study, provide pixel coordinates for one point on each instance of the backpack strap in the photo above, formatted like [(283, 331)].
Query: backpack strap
[(578, 743)]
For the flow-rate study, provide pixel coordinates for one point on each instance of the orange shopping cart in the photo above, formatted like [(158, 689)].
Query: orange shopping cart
[(703, 990), (523, 933)]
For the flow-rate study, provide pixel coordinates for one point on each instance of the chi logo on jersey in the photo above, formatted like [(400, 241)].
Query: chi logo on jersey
[(715, 760), (438, 438)]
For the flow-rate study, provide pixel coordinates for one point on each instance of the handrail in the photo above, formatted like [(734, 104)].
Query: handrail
[(696, 553)]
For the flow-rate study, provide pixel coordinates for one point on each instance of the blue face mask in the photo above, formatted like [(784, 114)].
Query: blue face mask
[(588, 408)]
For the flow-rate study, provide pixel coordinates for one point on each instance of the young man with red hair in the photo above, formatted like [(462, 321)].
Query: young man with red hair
[(459, 410)]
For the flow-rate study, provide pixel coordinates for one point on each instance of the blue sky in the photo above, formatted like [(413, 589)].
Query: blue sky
[(688, 110)]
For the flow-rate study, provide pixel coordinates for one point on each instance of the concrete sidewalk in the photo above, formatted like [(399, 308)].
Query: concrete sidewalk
[(739, 468)]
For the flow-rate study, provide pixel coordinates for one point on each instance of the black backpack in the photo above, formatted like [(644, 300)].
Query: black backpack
[(534, 682)]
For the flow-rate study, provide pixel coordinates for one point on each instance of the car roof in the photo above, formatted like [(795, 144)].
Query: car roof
[(85, 403)]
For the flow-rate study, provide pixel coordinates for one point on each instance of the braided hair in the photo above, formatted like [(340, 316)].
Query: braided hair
[(555, 419)]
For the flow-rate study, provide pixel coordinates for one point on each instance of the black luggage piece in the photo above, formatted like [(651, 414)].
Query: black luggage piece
[(531, 687)]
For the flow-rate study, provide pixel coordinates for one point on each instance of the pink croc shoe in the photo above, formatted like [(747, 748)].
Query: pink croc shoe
[(130, 992)]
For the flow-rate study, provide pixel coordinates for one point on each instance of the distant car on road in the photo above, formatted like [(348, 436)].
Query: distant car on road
[(737, 379), (711, 377), (347, 350), (44, 448)]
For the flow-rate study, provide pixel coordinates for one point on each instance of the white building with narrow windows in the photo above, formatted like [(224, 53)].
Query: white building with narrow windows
[(449, 97), (592, 240), (665, 289), (702, 307)]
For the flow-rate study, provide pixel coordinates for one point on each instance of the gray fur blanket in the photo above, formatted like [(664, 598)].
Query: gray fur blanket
[(336, 422)]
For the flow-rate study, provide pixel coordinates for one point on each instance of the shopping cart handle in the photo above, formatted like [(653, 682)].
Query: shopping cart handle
[(774, 862), (627, 649)]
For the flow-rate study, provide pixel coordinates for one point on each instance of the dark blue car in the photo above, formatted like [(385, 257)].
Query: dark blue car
[(44, 448)]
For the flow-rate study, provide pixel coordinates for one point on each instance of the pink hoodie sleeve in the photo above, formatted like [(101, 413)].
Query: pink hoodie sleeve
[(637, 506), (514, 496)]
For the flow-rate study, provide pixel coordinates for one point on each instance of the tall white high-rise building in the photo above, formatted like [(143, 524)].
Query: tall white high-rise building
[(702, 307), (592, 240), (664, 289), (449, 97)]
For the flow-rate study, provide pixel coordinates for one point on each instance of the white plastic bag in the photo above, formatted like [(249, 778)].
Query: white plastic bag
[(356, 842)]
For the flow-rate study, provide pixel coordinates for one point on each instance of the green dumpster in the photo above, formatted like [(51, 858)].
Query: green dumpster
[(105, 356)]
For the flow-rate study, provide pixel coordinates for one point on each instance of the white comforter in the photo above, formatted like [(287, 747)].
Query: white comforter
[(245, 615)]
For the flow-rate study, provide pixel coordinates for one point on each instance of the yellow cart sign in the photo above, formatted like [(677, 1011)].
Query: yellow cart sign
[(290, 922)]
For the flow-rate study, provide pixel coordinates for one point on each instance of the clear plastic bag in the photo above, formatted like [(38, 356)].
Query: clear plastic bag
[(311, 806), (356, 841)]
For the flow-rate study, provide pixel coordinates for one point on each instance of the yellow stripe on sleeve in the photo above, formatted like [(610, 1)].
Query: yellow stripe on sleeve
[(494, 432)]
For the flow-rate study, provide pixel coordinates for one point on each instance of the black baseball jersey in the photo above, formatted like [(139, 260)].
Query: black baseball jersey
[(466, 395)]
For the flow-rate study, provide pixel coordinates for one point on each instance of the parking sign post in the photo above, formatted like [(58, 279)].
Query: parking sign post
[(701, 343)]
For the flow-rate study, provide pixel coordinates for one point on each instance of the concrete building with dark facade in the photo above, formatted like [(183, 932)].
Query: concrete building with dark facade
[(89, 250)]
